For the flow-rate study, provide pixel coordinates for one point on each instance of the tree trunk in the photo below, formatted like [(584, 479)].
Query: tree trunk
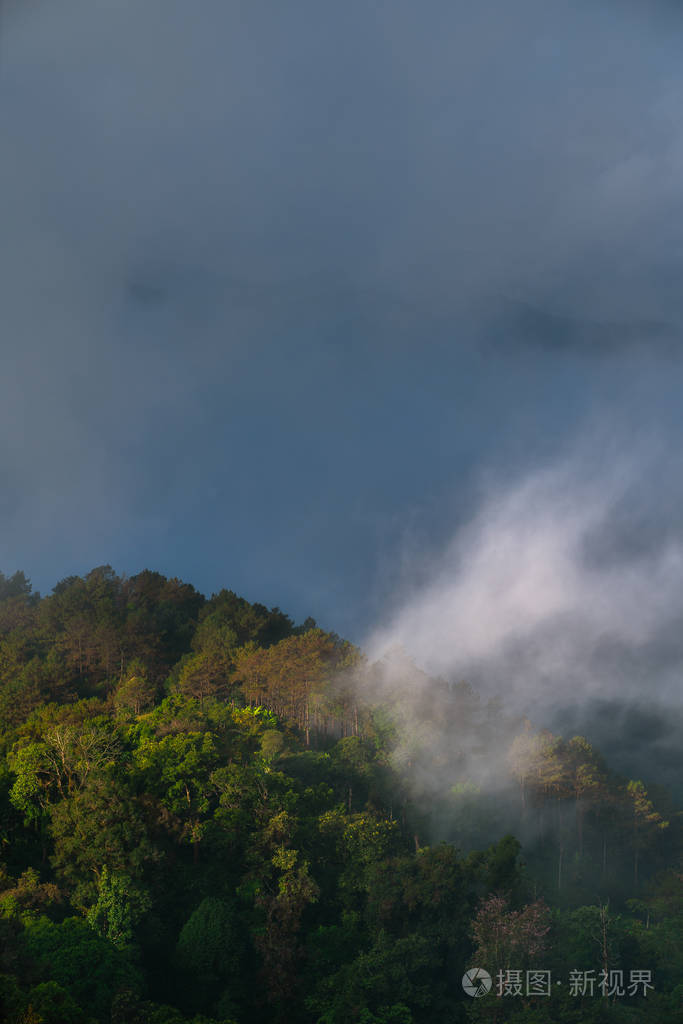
[(604, 855), (559, 868), (605, 947)]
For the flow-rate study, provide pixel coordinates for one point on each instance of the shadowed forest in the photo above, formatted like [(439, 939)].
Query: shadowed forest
[(210, 814)]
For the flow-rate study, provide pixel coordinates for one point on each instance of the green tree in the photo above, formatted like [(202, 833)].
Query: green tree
[(87, 966), (120, 905), (277, 939), (135, 693), (209, 951), (177, 770), (50, 1003), (292, 677), (101, 824), (646, 821)]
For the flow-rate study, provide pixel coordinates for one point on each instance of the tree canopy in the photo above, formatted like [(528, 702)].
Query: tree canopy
[(209, 814)]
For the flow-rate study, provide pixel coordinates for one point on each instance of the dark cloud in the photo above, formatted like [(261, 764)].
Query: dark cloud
[(251, 280), (527, 325)]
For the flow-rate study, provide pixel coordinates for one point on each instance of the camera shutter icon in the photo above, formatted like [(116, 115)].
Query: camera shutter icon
[(476, 982)]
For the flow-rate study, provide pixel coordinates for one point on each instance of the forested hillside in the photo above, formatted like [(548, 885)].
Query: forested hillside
[(211, 814)]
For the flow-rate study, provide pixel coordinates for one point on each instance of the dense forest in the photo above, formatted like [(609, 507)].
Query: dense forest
[(211, 814)]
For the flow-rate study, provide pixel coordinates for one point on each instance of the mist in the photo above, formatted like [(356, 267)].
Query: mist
[(563, 596)]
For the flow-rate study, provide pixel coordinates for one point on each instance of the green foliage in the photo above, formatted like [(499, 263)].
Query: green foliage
[(135, 693), (14, 587), (53, 1004), (30, 792), (272, 745), (209, 945), (79, 961), (203, 820), (28, 896), (120, 905)]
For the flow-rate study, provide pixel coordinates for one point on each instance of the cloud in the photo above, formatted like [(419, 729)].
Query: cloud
[(563, 594), (555, 333), (251, 261)]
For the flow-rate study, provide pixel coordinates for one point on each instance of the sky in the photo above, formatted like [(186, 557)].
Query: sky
[(323, 302)]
